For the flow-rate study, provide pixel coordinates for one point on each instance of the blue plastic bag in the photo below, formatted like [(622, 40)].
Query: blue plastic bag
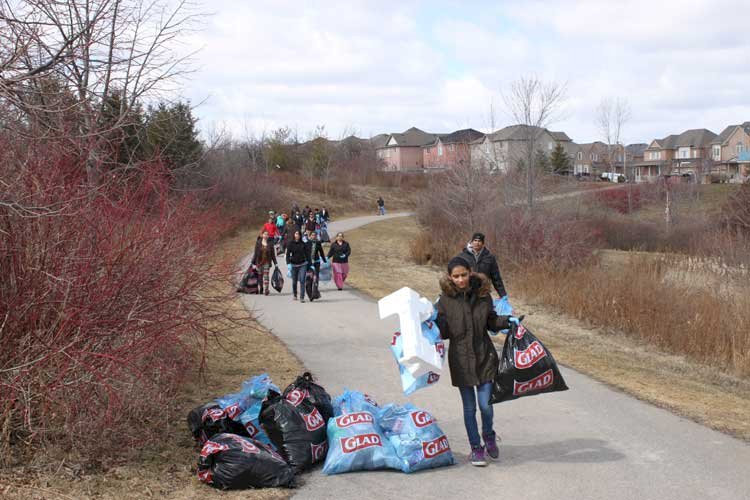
[(249, 419), (253, 392), (502, 308), (416, 438), (355, 441), (408, 382), (353, 402), (289, 270), (325, 271)]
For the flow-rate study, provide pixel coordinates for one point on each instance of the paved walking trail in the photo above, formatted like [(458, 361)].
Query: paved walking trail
[(590, 442)]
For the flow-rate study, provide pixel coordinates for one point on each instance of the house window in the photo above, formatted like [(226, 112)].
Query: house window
[(550, 146), (451, 147), (580, 155), (683, 153), (740, 148), (594, 156), (717, 152), (440, 149)]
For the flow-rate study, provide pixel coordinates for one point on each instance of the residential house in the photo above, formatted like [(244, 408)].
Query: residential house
[(727, 153), (403, 151), (588, 159), (507, 147), (687, 154), (449, 150)]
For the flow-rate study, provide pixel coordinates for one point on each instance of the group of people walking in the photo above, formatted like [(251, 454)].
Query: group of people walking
[(299, 238)]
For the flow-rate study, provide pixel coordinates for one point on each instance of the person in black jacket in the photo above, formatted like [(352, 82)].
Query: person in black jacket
[(465, 313), (482, 261), (297, 255), (339, 254), (315, 250)]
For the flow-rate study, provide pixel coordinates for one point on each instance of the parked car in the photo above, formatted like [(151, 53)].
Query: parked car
[(612, 177)]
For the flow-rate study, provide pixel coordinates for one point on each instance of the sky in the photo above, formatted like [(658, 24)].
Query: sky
[(372, 67)]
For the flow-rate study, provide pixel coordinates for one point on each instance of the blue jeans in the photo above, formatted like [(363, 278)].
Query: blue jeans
[(298, 275), (483, 393), (381, 210)]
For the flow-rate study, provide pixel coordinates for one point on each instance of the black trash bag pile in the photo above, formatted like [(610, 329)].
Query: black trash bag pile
[(526, 368), (233, 462), (294, 423)]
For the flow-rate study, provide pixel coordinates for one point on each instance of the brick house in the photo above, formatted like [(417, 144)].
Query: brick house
[(727, 153), (507, 147), (687, 154), (449, 150), (588, 159), (402, 152)]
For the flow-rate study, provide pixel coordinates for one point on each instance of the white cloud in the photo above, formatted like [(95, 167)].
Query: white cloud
[(385, 66)]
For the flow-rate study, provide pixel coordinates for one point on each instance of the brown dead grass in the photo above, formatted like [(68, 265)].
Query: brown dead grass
[(695, 391), (168, 471)]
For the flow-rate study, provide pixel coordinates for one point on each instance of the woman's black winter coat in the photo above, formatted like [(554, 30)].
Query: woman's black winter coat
[(340, 253), (464, 318), (297, 252)]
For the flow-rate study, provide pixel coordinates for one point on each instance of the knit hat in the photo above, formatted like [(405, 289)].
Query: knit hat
[(458, 261), (478, 236)]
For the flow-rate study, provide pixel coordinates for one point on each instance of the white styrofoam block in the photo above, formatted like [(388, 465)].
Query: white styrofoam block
[(419, 356)]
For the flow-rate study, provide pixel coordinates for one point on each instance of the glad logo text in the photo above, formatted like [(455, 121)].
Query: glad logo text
[(529, 356), (431, 449), (422, 418), (350, 419), (211, 447), (318, 451), (296, 396), (432, 377), (537, 383), (360, 442), (313, 420), (520, 332)]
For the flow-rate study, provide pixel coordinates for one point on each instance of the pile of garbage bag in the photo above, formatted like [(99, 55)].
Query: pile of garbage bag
[(261, 437)]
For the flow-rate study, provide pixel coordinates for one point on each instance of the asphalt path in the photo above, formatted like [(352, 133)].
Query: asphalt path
[(591, 442)]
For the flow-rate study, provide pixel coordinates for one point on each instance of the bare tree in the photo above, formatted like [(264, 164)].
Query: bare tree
[(61, 62), (533, 104), (611, 117)]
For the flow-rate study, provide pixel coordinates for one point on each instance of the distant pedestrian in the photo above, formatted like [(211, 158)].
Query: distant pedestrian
[(339, 254), (482, 261), (325, 215), (263, 257), (464, 315), (297, 255), (310, 225), (270, 226), (381, 206)]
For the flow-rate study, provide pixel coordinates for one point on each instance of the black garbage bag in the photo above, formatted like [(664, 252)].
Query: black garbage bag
[(233, 462), (304, 386), (526, 368), (250, 282), (210, 419), (277, 279), (298, 431)]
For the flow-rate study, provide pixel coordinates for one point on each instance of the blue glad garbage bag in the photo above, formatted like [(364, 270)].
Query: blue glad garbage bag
[(231, 462), (355, 440), (502, 308), (416, 438), (526, 367), (325, 271), (297, 431), (409, 383), (254, 390)]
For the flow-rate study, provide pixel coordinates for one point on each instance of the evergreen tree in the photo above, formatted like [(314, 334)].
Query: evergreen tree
[(559, 160), (171, 134)]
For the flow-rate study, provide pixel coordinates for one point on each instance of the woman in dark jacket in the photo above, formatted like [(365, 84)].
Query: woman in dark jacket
[(263, 257), (465, 313), (339, 254), (298, 256)]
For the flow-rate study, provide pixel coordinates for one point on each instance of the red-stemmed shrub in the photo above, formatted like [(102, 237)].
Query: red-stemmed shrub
[(108, 294)]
